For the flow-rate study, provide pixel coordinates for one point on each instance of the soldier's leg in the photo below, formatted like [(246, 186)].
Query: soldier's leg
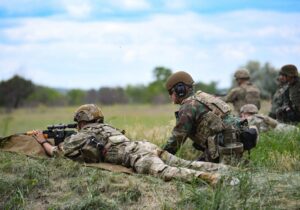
[(172, 160), (152, 164)]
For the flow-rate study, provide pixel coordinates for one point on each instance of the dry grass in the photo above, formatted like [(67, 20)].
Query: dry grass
[(270, 181)]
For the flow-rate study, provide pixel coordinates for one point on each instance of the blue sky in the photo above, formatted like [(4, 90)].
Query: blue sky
[(95, 43)]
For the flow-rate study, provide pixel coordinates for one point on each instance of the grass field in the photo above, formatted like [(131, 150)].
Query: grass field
[(270, 181)]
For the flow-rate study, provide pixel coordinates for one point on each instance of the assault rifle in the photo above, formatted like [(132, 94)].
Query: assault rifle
[(57, 132)]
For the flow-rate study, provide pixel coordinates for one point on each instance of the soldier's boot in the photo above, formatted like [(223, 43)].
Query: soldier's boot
[(188, 175), (211, 178)]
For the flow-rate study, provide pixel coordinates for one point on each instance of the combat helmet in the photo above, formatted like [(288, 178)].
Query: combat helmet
[(88, 112), (242, 74), (249, 108), (289, 70), (180, 76)]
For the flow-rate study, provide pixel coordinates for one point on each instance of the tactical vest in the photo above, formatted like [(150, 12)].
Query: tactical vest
[(92, 142), (103, 131), (211, 124), (217, 106)]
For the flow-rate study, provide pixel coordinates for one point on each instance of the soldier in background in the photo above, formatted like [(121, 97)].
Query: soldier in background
[(277, 100), (262, 122), (100, 142), (244, 93), (203, 118), (289, 112)]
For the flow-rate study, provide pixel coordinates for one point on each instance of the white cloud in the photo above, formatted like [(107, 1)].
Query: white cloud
[(175, 4), (108, 52), (131, 4), (77, 8)]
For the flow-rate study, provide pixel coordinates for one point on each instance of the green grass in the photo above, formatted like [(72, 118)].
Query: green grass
[(270, 181)]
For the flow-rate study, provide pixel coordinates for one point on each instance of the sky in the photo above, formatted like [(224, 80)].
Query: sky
[(98, 43)]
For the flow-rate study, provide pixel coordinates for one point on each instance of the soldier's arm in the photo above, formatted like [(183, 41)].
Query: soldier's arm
[(231, 96), (184, 124), (39, 137), (72, 144)]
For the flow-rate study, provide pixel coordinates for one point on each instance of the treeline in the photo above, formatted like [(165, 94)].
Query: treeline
[(17, 91)]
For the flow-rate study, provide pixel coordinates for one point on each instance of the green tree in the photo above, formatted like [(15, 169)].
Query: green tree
[(47, 96), (112, 95), (156, 92), (136, 93), (76, 97), (14, 91), (264, 77), (208, 88)]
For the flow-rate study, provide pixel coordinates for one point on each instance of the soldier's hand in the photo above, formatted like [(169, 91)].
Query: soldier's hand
[(38, 136)]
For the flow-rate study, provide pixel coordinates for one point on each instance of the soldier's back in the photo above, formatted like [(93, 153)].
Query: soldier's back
[(246, 93), (252, 94)]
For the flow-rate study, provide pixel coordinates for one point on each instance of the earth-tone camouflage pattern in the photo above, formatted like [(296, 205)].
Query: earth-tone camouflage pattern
[(195, 120), (291, 100), (294, 95), (242, 74), (246, 93), (289, 70), (249, 108), (277, 100), (263, 123), (266, 123), (88, 112), (144, 157)]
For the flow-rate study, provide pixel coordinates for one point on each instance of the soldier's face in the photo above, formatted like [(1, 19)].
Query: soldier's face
[(282, 79), (244, 115), (174, 98)]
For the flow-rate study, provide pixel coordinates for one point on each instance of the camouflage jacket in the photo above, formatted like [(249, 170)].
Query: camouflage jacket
[(93, 142), (198, 120), (262, 122), (266, 123), (294, 95), (246, 93), (277, 100), (290, 110)]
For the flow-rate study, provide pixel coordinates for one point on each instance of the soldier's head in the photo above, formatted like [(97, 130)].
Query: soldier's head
[(248, 110), (88, 113), (281, 79), (179, 86), (242, 75), (289, 72)]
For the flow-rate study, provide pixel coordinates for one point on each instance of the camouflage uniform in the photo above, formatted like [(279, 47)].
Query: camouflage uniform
[(261, 122), (277, 100), (290, 110), (101, 142), (246, 93), (202, 118)]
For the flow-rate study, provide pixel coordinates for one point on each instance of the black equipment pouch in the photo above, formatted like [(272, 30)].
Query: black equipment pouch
[(248, 137)]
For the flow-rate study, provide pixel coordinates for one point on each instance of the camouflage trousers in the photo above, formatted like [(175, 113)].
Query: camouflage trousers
[(147, 158)]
